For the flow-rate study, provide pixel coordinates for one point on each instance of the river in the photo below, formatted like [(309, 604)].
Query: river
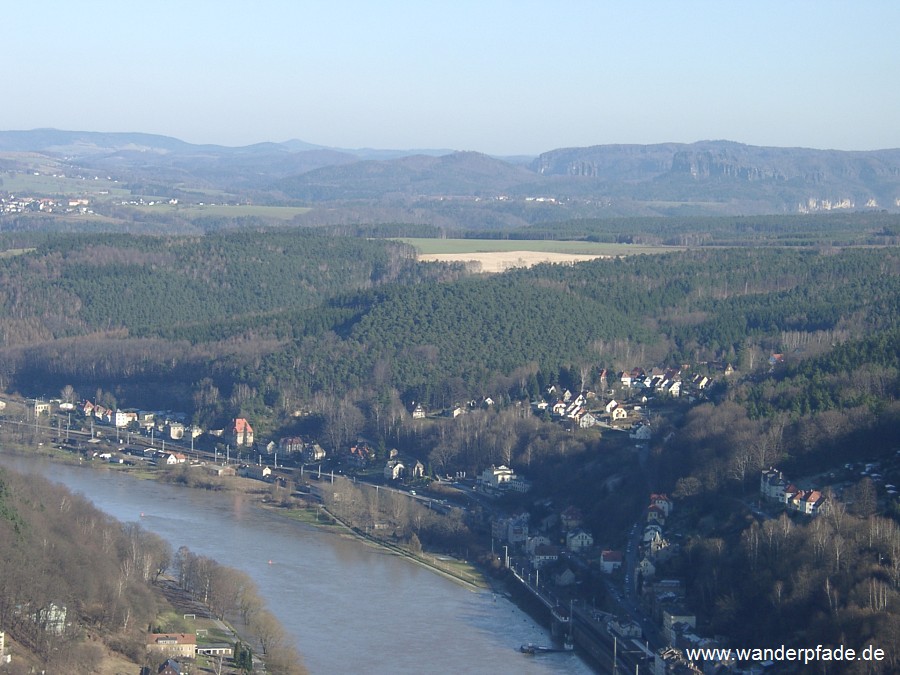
[(350, 607)]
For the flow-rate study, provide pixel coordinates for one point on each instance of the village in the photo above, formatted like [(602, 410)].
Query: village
[(559, 549), (26, 204), (553, 556)]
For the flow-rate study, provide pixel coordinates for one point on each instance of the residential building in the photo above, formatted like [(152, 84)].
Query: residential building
[(565, 578), (313, 452), (257, 472), (571, 518), (394, 469), (656, 515), (291, 445), (175, 645), (495, 476), (241, 432), (41, 407), (517, 529), (772, 485), (170, 667), (175, 430), (674, 615), (544, 555), (610, 561), (579, 540), (646, 568), (534, 541), (360, 455), (808, 501), (663, 502)]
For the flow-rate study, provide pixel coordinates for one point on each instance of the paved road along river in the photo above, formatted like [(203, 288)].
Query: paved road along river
[(350, 607)]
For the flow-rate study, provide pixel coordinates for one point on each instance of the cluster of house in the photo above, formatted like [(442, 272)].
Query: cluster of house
[(541, 545), (665, 598), (567, 406), (398, 467), (13, 204), (636, 386), (659, 380), (654, 545), (774, 487), (584, 410), (163, 424), (295, 446), (360, 455), (418, 412)]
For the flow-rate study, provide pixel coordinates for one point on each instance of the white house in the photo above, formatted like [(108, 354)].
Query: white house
[(646, 568), (122, 418), (495, 476), (579, 540), (772, 485), (394, 469)]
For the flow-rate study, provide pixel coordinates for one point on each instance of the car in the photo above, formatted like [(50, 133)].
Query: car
[(412, 492)]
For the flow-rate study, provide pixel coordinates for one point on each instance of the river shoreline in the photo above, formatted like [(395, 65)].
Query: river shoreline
[(319, 586), (258, 492)]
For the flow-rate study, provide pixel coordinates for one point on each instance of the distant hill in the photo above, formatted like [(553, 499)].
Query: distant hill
[(704, 178), (458, 174), (711, 177), (723, 170)]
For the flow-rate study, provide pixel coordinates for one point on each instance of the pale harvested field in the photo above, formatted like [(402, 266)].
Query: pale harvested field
[(499, 261)]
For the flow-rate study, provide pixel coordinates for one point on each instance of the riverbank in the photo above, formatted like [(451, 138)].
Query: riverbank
[(461, 572), (111, 648), (320, 583)]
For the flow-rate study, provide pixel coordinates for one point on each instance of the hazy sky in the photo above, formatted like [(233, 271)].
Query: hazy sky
[(502, 77)]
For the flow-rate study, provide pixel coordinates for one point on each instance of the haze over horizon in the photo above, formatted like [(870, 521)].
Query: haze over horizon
[(503, 78)]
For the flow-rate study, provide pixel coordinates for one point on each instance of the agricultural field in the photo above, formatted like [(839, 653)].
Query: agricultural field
[(44, 184), (226, 210), (497, 255)]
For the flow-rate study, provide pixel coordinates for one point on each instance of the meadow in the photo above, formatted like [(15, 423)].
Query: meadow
[(227, 210)]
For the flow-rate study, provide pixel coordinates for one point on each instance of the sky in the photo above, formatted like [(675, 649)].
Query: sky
[(503, 77)]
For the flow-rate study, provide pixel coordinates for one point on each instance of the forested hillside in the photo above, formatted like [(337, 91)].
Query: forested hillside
[(76, 585), (291, 315), (59, 551), (335, 338)]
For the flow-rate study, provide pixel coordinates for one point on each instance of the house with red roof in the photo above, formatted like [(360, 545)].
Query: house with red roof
[(241, 432), (808, 501), (610, 561), (173, 644)]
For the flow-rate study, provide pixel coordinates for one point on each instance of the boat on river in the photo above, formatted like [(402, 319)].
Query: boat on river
[(531, 649)]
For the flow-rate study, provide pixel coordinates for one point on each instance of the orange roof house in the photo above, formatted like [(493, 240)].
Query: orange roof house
[(242, 432)]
